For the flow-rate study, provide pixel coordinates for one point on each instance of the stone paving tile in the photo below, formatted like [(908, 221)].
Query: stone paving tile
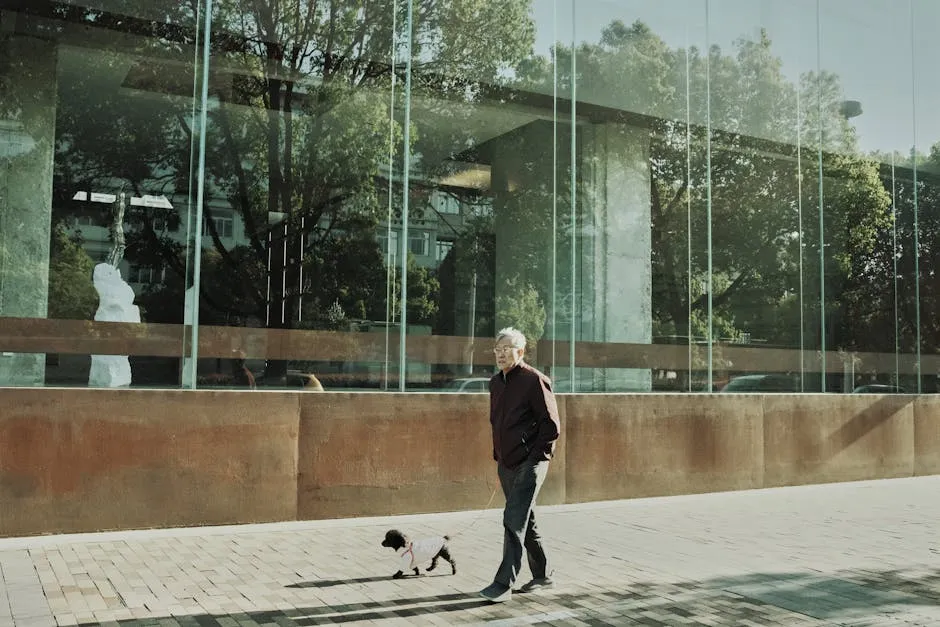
[(856, 555)]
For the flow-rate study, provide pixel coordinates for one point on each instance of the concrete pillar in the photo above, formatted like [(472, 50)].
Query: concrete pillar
[(27, 134), (616, 206), (613, 272), (521, 179)]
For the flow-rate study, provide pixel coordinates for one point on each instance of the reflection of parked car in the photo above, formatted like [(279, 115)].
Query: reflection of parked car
[(761, 383), (293, 379), (879, 388), (469, 385), (306, 380)]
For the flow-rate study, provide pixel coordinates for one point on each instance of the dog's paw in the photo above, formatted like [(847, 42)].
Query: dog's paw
[(431, 567), (453, 570), (398, 575)]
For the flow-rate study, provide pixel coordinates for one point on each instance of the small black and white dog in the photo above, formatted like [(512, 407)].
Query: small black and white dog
[(411, 553)]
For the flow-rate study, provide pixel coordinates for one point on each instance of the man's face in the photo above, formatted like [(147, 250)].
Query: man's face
[(507, 355)]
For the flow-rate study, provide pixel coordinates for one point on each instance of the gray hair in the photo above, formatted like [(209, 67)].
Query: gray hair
[(515, 336)]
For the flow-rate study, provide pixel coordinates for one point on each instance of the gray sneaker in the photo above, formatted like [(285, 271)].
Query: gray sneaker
[(496, 593), (537, 584)]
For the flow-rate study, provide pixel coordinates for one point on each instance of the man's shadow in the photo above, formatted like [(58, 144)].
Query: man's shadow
[(377, 610)]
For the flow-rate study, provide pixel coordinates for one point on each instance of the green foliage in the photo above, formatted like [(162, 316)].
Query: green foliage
[(299, 135), (72, 293), (423, 289), (519, 305), (306, 134), (746, 171), (347, 271)]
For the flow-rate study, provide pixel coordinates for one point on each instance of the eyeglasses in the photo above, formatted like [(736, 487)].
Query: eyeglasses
[(503, 349)]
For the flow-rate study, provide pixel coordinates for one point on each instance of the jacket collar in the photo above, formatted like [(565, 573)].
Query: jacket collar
[(505, 376)]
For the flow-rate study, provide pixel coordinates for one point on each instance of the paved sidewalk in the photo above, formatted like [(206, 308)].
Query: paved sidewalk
[(845, 554)]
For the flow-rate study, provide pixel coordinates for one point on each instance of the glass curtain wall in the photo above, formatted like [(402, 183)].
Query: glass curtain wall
[(921, 195), (693, 196), (491, 190), (303, 160), (97, 128), (761, 306), (869, 215)]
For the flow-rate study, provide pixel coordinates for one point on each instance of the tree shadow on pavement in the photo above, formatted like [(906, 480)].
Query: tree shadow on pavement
[(761, 598)]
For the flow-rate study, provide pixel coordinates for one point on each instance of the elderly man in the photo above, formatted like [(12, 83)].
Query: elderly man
[(524, 418)]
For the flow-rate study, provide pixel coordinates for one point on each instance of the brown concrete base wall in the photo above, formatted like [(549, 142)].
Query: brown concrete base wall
[(830, 438), (926, 435), (378, 454), (76, 460), (622, 446), (633, 445)]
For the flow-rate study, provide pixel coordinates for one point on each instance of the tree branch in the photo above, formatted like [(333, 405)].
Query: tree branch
[(240, 177)]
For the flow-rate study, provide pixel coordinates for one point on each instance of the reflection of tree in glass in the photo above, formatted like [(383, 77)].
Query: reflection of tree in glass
[(519, 305), (302, 132), (756, 186), (71, 292), (299, 135), (299, 131), (880, 296), (466, 282), (104, 138)]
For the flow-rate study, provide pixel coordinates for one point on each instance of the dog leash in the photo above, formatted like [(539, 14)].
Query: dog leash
[(478, 516)]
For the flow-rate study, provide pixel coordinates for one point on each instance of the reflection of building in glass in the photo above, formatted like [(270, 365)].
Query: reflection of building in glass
[(611, 191), (429, 241)]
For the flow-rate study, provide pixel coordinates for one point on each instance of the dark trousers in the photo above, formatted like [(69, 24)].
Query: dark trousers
[(521, 486)]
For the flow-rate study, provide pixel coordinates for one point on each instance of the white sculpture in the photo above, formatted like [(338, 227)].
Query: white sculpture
[(115, 304)]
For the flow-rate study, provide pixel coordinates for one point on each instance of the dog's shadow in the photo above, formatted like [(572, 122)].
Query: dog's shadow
[(329, 583)]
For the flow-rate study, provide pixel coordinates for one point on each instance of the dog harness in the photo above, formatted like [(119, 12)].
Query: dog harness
[(409, 556), (419, 552)]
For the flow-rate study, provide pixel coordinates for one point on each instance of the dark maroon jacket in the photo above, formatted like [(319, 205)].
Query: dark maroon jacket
[(523, 415)]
